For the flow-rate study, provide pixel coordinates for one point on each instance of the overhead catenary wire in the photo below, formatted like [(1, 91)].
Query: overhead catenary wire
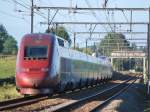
[(26, 3), (11, 15), (28, 7), (125, 16), (57, 12), (140, 45), (94, 14), (108, 20), (14, 16), (53, 17)]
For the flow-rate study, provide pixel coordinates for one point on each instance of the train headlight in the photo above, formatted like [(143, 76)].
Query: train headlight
[(24, 69), (45, 69)]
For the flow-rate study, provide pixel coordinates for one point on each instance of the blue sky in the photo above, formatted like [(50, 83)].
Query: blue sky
[(18, 23)]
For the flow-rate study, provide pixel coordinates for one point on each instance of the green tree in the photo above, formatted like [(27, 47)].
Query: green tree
[(60, 31), (3, 37), (113, 42), (117, 42), (10, 46)]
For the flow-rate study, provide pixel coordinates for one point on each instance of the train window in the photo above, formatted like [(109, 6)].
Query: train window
[(35, 52), (61, 42)]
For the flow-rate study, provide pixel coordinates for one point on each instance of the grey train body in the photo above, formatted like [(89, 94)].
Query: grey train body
[(74, 69)]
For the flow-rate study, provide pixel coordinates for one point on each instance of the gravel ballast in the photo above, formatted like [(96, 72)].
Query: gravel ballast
[(132, 100)]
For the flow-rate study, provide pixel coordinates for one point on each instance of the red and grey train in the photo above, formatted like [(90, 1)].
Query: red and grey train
[(45, 64)]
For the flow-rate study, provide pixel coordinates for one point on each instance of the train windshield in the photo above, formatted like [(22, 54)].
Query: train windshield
[(36, 52)]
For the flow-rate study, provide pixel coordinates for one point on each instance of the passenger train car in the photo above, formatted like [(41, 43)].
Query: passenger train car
[(46, 64)]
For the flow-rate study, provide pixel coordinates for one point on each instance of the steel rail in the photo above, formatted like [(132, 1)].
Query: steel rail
[(69, 105), (101, 105), (102, 32), (5, 105)]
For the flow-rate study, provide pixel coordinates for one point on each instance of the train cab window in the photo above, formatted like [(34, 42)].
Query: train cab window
[(61, 42), (37, 52)]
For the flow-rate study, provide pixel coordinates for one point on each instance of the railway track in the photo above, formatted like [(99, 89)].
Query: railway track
[(5, 105), (20, 103), (103, 98), (103, 103), (61, 106), (26, 101)]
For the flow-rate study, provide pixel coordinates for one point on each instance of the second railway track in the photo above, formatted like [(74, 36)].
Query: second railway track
[(101, 97)]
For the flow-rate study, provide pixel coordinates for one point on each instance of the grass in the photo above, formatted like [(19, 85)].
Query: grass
[(7, 81), (7, 67), (8, 92)]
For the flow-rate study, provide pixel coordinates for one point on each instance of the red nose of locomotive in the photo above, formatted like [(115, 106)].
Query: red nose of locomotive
[(29, 78), (34, 61)]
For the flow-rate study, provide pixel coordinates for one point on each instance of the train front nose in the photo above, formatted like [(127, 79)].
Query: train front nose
[(30, 79), (33, 85), (34, 61)]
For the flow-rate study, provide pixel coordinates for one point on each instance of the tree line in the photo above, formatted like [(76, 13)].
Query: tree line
[(8, 44)]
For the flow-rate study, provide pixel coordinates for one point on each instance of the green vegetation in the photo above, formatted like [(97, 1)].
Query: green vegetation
[(8, 45), (8, 91), (60, 31), (118, 42), (7, 67), (113, 42), (7, 80)]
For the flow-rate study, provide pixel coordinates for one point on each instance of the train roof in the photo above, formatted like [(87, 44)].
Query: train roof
[(62, 42)]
